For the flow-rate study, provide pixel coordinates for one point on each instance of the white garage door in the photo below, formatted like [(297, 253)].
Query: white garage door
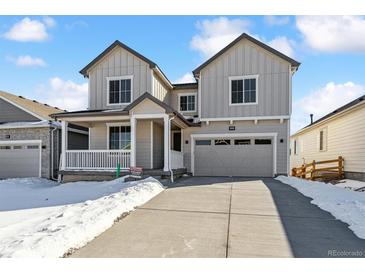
[(233, 157), (19, 160)]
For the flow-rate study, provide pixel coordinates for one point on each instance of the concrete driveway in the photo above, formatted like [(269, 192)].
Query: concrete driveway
[(226, 217)]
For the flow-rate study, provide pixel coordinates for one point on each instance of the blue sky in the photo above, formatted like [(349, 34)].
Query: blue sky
[(40, 56)]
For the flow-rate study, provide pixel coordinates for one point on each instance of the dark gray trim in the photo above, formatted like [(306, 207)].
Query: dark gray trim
[(253, 40), (103, 112), (185, 86), (340, 109)]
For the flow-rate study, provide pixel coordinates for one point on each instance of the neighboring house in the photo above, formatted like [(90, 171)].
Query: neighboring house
[(339, 133), (233, 121), (30, 139)]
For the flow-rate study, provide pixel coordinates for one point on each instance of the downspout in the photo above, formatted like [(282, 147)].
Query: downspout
[(52, 151), (169, 141)]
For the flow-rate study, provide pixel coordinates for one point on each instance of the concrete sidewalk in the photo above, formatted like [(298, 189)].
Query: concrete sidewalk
[(225, 217)]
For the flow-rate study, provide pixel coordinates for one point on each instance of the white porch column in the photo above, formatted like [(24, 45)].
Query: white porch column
[(166, 143), (64, 143), (133, 140)]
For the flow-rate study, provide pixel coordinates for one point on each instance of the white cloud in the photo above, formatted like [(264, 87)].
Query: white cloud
[(272, 20), (28, 61), (215, 34), (333, 33), (30, 30), (322, 101), (186, 78), (64, 94), (282, 44)]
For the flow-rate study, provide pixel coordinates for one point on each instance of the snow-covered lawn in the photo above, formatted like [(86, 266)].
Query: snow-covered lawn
[(41, 218), (351, 184), (344, 204)]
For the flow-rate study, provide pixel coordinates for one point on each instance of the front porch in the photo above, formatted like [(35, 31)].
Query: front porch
[(120, 139)]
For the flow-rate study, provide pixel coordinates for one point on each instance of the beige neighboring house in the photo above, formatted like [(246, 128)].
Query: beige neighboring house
[(232, 121), (339, 133), (30, 139)]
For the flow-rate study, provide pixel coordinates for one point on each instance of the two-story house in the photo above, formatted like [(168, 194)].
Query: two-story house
[(233, 121)]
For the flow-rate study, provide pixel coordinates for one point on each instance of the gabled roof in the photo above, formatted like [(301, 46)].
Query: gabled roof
[(37, 109), (335, 112), (253, 40)]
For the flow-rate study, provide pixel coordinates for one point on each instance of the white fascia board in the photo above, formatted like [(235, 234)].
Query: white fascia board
[(251, 118)]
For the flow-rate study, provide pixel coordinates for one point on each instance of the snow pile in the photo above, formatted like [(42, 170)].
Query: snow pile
[(347, 206), (350, 184), (51, 228)]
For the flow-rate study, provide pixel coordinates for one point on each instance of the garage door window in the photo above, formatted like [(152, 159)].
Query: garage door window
[(222, 142), (17, 147), (203, 142), (32, 147), (5, 147), (241, 142), (262, 141)]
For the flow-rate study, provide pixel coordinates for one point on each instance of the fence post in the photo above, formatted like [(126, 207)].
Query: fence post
[(313, 169), (340, 166), (303, 171)]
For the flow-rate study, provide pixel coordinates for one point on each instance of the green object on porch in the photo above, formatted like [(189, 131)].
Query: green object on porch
[(117, 173)]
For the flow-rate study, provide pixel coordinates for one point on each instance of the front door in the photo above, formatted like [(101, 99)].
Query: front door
[(176, 143)]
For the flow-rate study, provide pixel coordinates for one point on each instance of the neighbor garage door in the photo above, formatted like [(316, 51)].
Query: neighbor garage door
[(233, 157), (19, 160)]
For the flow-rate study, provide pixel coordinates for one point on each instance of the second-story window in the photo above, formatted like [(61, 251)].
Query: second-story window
[(120, 90), (187, 102), (243, 90)]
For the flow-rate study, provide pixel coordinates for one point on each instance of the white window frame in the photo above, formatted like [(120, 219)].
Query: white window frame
[(295, 147), (187, 94), (243, 77), (108, 125), (124, 77)]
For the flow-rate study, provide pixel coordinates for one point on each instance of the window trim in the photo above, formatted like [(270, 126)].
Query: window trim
[(108, 125), (295, 147), (111, 78), (187, 94), (243, 77)]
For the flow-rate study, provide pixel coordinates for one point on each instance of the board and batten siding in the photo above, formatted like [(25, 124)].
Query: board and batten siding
[(246, 58), (160, 89), (345, 137), (174, 99), (11, 113), (118, 62), (269, 126)]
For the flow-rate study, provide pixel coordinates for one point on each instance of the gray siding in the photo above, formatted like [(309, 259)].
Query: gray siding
[(160, 90), (10, 113), (98, 136), (158, 145), (174, 99), (118, 62), (243, 127), (246, 58), (143, 147)]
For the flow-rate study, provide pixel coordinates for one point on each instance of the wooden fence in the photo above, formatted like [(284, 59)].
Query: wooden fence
[(323, 170)]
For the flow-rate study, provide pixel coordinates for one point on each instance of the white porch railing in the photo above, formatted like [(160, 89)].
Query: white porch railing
[(177, 159), (97, 159)]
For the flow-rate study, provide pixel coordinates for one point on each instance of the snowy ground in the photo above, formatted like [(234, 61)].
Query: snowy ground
[(41, 218), (351, 184), (344, 204)]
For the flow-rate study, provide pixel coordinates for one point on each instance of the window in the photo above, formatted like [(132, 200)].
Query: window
[(295, 147), (222, 142), (120, 90), (203, 142), (262, 141), (243, 90), (187, 102), (239, 142), (33, 147), (120, 137), (17, 147), (5, 147), (323, 140)]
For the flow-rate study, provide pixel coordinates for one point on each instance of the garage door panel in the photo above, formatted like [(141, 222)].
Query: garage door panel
[(234, 160), (19, 162)]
